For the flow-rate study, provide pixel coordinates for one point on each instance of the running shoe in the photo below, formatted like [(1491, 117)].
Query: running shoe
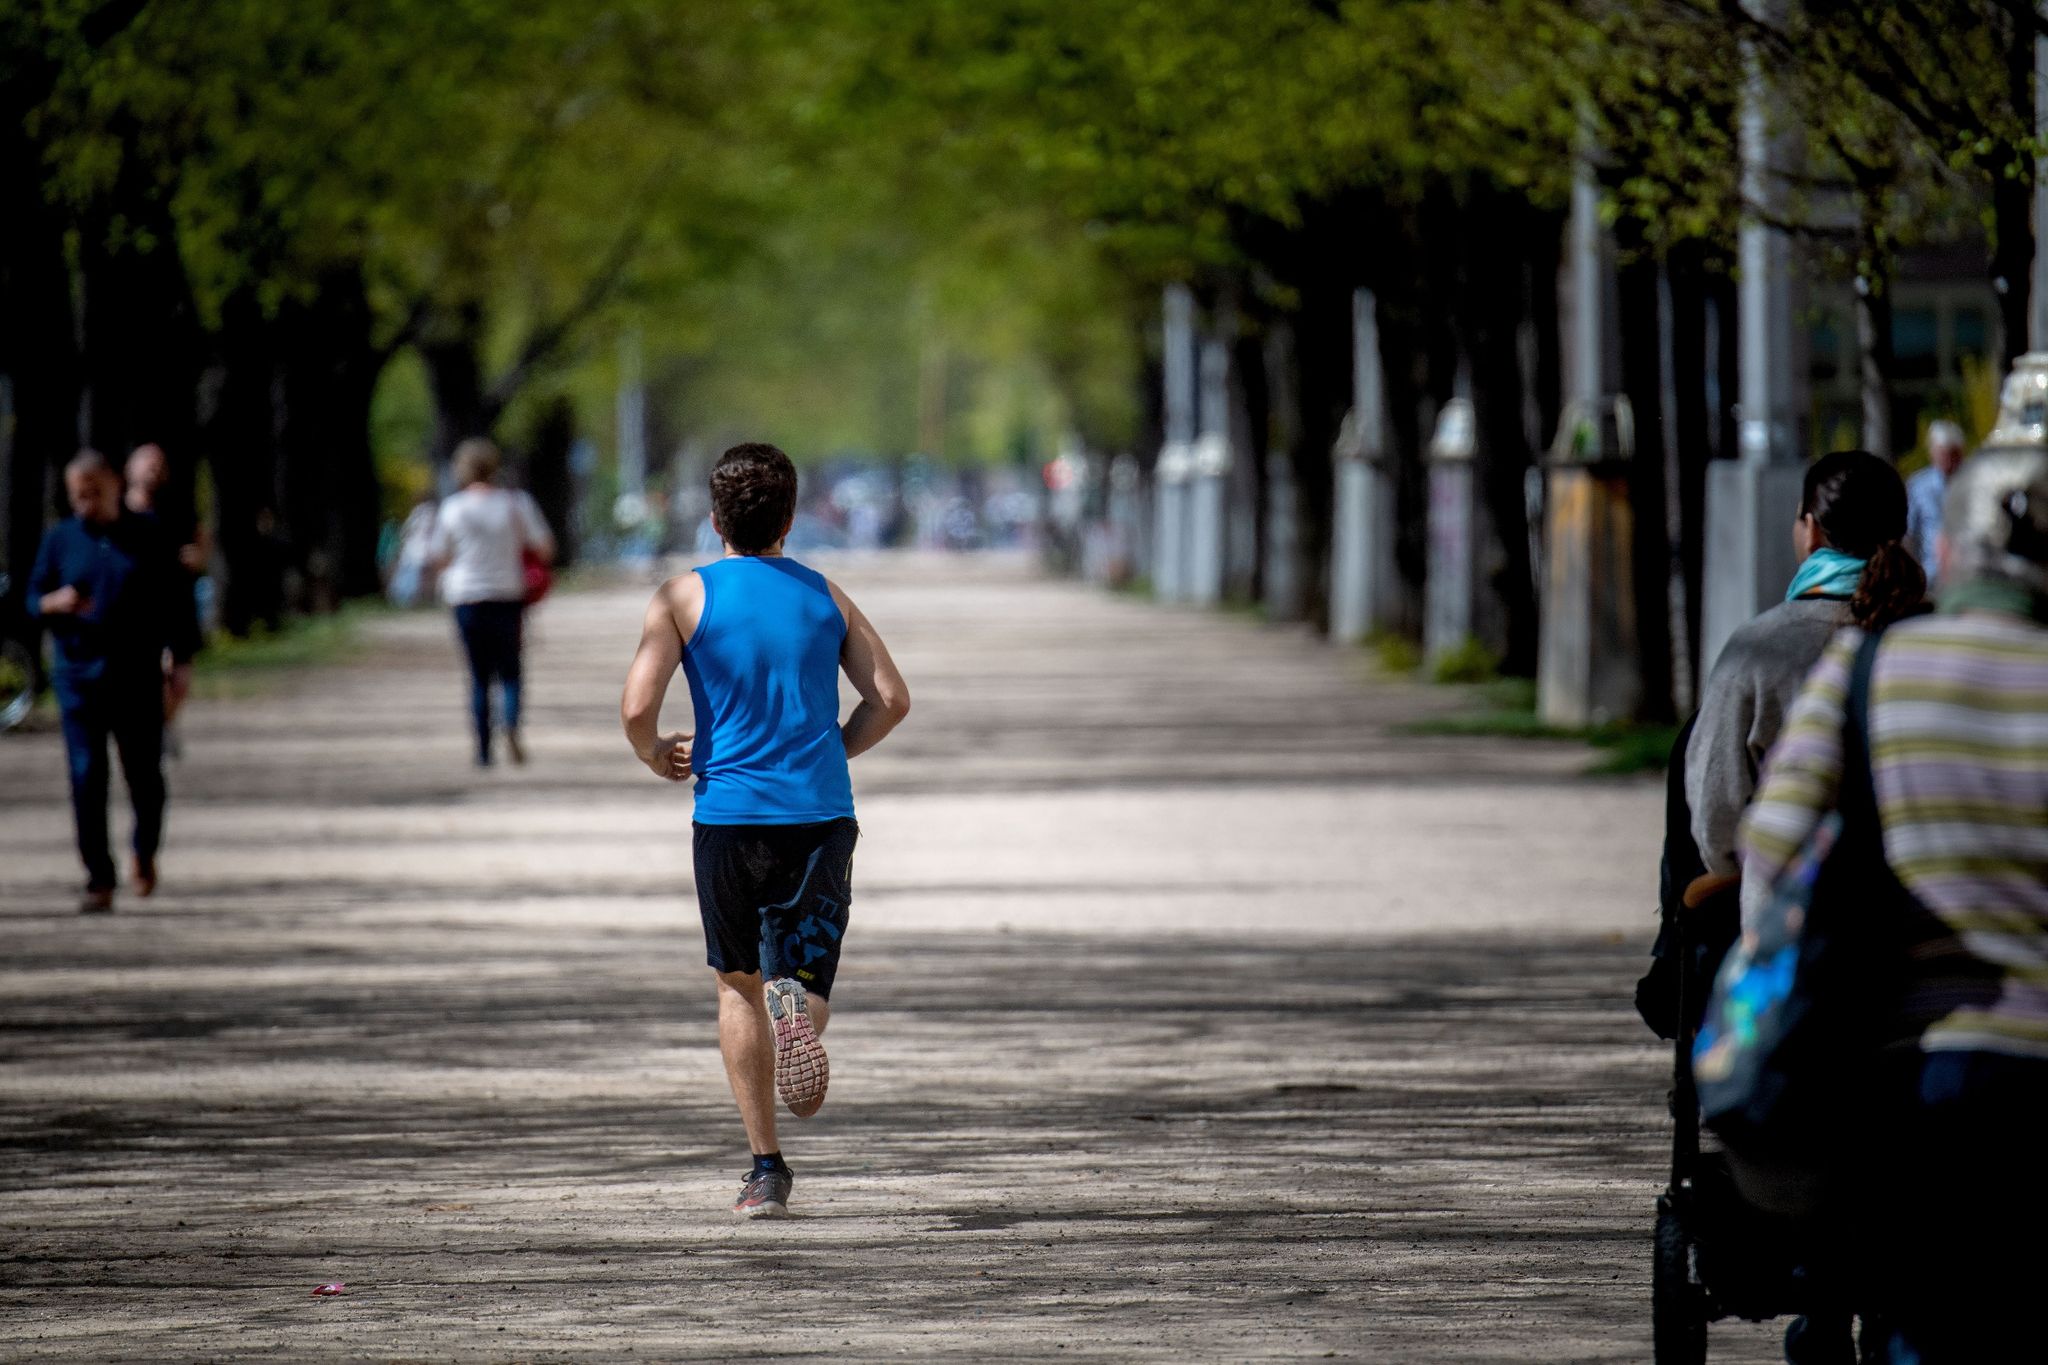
[(801, 1071), (765, 1194)]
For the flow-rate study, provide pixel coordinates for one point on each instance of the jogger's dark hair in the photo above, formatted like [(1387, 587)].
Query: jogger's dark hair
[(753, 495)]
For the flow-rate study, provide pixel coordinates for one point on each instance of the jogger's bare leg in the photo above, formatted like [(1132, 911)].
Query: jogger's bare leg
[(747, 1043)]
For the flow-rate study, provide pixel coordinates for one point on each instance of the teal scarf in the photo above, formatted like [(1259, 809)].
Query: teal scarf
[(1827, 573)]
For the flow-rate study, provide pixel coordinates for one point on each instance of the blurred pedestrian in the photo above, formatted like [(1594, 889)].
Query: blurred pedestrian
[(1854, 568), (1958, 763), (482, 536), (1928, 489), (763, 640), (412, 568), (147, 472), (117, 602)]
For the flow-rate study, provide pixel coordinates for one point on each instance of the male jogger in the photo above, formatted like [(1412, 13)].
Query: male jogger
[(762, 640)]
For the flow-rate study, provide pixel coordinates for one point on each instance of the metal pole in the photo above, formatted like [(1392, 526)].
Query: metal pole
[(1169, 530), (1751, 501), (1588, 350), (1209, 474), (632, 416), (1361, 559)]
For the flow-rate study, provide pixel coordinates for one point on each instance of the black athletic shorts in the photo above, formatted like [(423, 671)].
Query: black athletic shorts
[(774, 898)]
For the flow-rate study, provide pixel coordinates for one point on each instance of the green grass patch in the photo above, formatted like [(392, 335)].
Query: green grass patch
[(238, 667), (1395, 653), (1468, 661), (1631, 749), (1506, 709), (1243, 608)]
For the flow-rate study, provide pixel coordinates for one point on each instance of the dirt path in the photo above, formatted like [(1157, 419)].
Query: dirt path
[(1186, 1015)]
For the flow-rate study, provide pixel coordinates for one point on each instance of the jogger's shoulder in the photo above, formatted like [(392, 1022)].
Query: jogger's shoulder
[(683, 595), (840, 599)]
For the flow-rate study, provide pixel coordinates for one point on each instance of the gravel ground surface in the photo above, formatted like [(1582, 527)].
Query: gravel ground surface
[(1187, 1014)]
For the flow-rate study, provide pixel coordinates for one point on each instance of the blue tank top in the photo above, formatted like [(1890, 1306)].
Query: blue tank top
[(764, 681)]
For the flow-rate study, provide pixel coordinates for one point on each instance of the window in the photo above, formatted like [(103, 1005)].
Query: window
[(1915, 354), (1824, 350), (1972, 334)]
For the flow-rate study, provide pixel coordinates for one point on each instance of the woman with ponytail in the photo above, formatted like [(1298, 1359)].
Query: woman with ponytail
[(1951, 1191), (1854, 570)]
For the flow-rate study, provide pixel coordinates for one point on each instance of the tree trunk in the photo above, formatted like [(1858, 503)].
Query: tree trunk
[(1309, 372), (1650, 560), (142, 342), (451, 349), (1150, 436), (40, 364), (2012, 195), (1874, 360), (1412, 270), (1492, 300), (1692, 421), (240, 439), (1251, 442), (1545, 349), (1726, 391), (326, 374), (1323, 357), (549, 478), (1407, 400), (1284, 596)]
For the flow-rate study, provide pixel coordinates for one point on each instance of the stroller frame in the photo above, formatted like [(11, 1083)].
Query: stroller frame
[(1714, 1258)]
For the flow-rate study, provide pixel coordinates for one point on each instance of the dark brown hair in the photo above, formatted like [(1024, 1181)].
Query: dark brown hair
[(1859, 503), (753, 496)]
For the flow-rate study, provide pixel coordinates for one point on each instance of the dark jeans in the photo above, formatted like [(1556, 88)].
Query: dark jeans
[(130, 710), (1961, 1199), (490, 637)]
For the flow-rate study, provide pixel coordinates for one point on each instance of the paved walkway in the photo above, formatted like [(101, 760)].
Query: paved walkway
[(1187, 1015)]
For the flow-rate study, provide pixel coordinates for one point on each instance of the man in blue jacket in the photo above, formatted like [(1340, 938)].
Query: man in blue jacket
[(109, 588)]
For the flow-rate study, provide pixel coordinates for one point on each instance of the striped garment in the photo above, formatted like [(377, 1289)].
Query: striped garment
[(1959, 733)]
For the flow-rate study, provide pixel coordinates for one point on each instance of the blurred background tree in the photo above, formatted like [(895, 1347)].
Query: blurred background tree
[(309, 248)]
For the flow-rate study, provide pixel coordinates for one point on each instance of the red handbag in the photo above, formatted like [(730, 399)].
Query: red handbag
[(539, 577)]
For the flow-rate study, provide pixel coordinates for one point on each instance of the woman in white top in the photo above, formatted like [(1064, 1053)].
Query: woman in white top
[(482, 537)]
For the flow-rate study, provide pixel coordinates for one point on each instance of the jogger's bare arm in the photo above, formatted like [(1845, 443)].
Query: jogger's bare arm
[(655, 662), (884, 696)]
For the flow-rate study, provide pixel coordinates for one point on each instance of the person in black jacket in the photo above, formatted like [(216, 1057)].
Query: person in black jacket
[(109, 588)]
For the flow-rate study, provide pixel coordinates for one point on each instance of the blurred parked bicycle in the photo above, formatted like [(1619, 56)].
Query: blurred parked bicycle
[(20, 676)]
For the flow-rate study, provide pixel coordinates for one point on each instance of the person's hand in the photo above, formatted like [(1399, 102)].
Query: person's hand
[(177, 686), (66, 601), (670, 757)]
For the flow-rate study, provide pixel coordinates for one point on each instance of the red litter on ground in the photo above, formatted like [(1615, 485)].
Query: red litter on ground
[(328, 1291)]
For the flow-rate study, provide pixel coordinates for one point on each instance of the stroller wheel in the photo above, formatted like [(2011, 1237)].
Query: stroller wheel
[(1678, 1309)]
